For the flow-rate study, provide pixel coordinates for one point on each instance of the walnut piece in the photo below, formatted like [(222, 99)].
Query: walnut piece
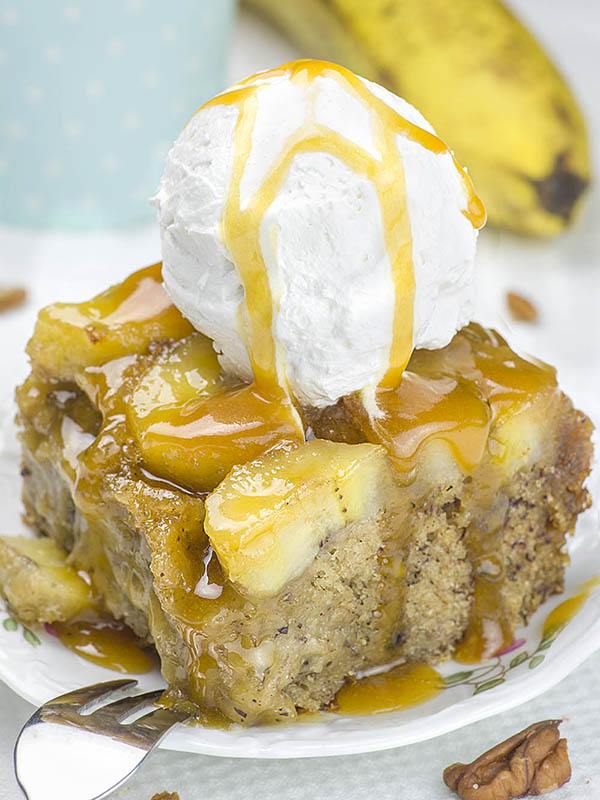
[(521, 308), (532, 762), (165, 796), (11, 298)]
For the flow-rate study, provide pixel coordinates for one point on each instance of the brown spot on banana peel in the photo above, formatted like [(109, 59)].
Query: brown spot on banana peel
[(559, 192)]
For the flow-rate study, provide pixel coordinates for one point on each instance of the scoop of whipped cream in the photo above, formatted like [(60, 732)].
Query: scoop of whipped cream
[(323, 236)]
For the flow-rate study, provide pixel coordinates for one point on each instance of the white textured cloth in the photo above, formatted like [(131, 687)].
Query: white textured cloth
[(410, 773), (548, 273)]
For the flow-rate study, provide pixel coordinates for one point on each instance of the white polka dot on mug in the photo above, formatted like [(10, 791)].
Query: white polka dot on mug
[(91, 96)]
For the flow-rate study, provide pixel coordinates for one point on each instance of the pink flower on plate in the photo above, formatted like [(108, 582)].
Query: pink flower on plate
[(511, 647)]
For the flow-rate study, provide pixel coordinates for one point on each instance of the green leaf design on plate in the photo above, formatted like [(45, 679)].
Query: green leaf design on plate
[(483, 687), (10, 624), (31, 638), (458, 677), (546, 643), (536, 661), (518, 660)]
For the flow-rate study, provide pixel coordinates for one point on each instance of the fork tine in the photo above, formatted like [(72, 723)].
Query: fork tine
[(58, 754), (126, 706), (83, 698), (157, 722)]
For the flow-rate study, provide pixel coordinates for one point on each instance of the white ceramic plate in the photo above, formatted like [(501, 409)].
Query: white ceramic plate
[(37, 666)]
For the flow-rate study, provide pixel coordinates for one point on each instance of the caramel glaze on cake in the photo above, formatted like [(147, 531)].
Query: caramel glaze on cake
[(434, 529)]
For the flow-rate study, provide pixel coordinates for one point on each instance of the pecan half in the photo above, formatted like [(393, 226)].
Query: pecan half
[(532, 762), (521, 308), (12, 298)]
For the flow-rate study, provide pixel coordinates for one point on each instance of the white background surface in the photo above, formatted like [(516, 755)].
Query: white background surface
[(564, 280)]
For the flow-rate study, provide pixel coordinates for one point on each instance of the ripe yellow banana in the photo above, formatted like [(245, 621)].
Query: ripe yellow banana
[(481, 79)]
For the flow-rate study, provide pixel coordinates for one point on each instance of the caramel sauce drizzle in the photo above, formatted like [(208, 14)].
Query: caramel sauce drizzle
[(107, 643), (242, 225), (565, 611), (424, 409), (487, 622), (453, 395), (396, 689), (138, 304)]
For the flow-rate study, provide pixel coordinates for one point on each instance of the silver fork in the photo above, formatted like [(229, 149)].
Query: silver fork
[(79, 746)]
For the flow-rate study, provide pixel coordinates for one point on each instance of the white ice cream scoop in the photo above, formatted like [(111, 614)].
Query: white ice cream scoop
[(313, 225)]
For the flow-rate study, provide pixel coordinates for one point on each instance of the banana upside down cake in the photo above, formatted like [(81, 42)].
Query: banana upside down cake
[(266, 579)]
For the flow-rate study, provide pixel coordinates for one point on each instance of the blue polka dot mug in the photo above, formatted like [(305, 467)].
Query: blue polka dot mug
[(91, 97)]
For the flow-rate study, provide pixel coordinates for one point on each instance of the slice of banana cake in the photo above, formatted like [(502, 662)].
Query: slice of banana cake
[(269, 571)]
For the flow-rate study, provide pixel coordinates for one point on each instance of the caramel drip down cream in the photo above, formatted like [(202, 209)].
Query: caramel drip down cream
[(242, 222)]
